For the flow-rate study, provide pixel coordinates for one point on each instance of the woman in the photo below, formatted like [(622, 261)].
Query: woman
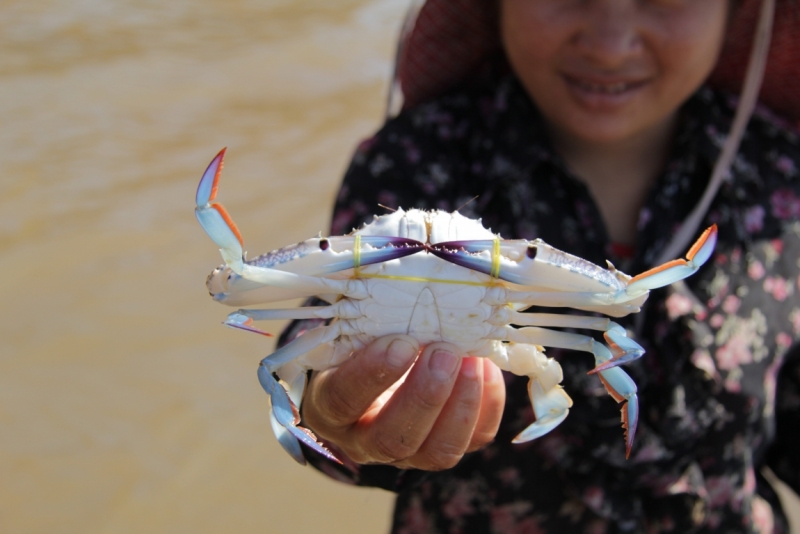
[(592, 130)]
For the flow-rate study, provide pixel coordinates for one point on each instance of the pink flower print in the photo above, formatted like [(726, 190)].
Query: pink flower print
[(703, 361), (597, 526), (388, 199), (734, 353), (678, 305), (756, 270), (413, 153), (732, 382), (460, 503), (763, 519), (367, 144), (720, 489), (593, 497), (505, 518), (342, 222), (786, 165), (778, 287), (415, 519), (754, 219), (785, 205), (783, 340), (716, 320), (731, 304), (510, 477)]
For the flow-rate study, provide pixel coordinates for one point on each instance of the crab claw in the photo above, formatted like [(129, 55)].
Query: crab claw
[(675, 270), (214, 219)]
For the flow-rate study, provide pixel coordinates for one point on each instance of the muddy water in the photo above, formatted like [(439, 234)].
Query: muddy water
[(124, 405)]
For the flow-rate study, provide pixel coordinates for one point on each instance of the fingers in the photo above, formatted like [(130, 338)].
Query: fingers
[(386, 404), (339, 397), (399, 429), (469, 419), (452, 431), (493, 403)]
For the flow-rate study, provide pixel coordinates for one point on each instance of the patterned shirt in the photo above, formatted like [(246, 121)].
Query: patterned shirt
[(719, 386)]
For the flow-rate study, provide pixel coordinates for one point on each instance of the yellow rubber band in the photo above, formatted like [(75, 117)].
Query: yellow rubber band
[(495, 272), (357, 255), (422, 279)]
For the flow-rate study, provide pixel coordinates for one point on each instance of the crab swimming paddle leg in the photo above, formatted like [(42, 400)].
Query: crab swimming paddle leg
[(284, 411), (623, 389)]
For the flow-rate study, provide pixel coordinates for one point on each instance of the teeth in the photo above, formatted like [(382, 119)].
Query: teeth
[(612, 88)]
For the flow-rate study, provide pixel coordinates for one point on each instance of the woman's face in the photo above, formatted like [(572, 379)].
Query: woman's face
[(609, 70)]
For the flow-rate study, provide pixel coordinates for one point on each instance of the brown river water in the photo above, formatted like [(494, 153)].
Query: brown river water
[(125, 406)]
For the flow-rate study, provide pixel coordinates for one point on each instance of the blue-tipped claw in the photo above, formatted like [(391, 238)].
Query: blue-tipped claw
[(212, 216), (207, 188)]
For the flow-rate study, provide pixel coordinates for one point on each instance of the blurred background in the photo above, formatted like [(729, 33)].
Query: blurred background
[(125, 406)]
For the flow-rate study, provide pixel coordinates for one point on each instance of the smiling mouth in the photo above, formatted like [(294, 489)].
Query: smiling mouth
[(614, 88)]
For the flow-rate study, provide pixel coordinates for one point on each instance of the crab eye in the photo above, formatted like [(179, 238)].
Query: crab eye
[(531, 252), (324, 244)]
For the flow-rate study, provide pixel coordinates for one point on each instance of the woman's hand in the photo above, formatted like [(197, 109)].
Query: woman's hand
[(448, 405)]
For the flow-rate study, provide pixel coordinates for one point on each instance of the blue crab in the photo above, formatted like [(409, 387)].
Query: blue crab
[(436, 276)]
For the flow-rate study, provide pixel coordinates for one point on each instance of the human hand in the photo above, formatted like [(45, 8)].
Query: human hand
[(448, 405)]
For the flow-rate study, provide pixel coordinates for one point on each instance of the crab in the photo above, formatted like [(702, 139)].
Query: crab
[(436, 276)]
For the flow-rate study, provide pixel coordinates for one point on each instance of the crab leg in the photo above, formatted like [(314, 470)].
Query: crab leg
[(344, 309), (623, 389), (552, 338), (623, 348), (243, 319), (616, 381), (615, 304), (284, 410)]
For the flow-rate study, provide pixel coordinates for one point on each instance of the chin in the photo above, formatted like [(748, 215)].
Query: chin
[(601, 131)]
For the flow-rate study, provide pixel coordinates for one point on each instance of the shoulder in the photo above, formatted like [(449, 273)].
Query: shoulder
[(763, 189)]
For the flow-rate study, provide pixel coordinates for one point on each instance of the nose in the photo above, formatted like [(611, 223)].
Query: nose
[(609, 34)]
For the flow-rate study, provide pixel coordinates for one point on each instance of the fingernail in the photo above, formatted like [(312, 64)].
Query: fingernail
[(443, 364), (400, 353), (470, 367)]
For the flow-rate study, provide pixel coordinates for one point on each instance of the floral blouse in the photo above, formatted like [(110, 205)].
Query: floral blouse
[(719, 385)]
